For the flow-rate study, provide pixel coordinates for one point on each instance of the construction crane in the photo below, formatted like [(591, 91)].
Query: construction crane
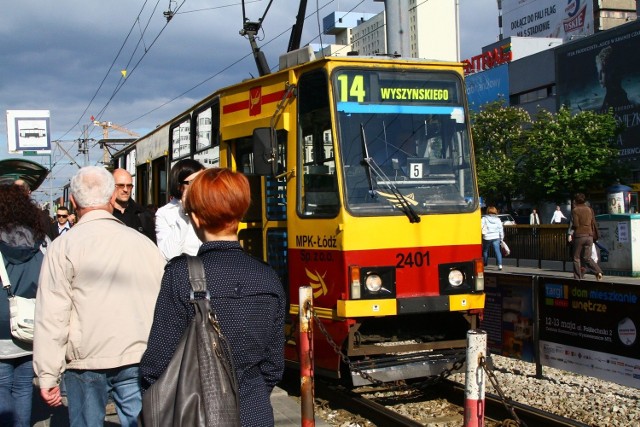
[(106, 125), (108, 145)]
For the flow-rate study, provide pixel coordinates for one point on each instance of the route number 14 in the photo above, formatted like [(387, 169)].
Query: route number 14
[(355, 89)]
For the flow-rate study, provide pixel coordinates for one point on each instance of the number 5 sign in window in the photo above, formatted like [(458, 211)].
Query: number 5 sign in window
[(415, 170), (418, 168)]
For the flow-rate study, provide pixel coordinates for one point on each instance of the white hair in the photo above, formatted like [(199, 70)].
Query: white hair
[(92, 186)]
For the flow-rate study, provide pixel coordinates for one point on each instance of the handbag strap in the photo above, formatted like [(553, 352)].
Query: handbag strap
[(6, 283), (196, 277)]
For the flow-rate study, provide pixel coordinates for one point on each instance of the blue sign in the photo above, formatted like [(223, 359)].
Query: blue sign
[(487, 86)]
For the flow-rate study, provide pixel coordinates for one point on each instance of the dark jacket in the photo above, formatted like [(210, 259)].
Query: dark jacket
[(138, 218), (582, 219), (22, 259), (249, 302), (54, 233)]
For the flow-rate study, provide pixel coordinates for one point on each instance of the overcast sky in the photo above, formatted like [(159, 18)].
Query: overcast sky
[(66, 56)]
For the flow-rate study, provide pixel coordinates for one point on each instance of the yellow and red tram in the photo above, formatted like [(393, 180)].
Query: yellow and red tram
[(364, 188)]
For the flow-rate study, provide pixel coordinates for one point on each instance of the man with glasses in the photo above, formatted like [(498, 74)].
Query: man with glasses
[(127, 210), (62, 224)]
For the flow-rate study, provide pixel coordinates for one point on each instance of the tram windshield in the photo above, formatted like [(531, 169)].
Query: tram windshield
[(404, 143)]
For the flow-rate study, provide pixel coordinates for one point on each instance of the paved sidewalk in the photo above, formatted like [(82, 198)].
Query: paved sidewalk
[(286, 411), (552, 268)]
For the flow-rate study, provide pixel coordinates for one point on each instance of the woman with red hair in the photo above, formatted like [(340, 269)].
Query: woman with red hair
[(246, 295)]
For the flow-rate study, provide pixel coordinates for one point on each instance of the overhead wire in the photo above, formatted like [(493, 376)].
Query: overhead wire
[(217, 7), (221, 70), (118, 54), (123, 80), (107, 73), (136, 22), (250, 54)]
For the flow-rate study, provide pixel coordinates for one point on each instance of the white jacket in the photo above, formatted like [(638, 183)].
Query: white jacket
[(174, 233), (492, 228)]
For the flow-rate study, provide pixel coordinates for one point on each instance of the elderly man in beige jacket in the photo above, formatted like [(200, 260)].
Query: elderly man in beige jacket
[(94, 308)]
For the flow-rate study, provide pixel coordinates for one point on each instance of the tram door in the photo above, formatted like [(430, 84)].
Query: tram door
[(264, 229), (142, 195), (159, 181)]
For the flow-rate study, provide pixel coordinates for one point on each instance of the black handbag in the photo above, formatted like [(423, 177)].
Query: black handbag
[(199, 386)]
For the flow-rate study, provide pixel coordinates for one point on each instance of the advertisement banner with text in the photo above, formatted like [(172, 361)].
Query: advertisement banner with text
[(547, 18), (590, 328)]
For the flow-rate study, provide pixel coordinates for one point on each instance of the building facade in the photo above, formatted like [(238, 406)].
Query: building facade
[(433, 32)]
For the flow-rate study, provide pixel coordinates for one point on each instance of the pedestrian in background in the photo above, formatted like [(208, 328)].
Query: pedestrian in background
[(558, 216), (585, 233), (21, 238), (44, 215), (127, 210), (534, 219), (492, 235), (174, 233), (246, 296), (62, 223), (94, 308)]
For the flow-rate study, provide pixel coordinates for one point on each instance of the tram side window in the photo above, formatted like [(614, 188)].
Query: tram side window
[(318, 187), (181, 139), (207, 135)]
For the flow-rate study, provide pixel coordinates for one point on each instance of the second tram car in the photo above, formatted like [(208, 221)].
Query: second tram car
[(364, 188)]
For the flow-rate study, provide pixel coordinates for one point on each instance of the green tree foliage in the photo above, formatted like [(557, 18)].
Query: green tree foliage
[(499, 138), (567, 154), (548, 159)]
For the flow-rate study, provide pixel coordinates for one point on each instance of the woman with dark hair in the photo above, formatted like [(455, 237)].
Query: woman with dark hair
[(584, 235), (21, 237), (174, 234), (246, 295)]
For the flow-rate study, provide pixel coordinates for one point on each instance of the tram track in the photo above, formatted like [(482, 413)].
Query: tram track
[(496, 409), (441, 404)]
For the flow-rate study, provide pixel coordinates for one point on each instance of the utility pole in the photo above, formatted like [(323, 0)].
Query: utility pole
[(83, 147), (104, 143), (397, 15)]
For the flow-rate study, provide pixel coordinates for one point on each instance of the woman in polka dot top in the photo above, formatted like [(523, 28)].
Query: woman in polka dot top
[(246, 295)]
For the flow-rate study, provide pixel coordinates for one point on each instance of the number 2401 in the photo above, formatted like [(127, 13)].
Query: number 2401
[(412, 259)]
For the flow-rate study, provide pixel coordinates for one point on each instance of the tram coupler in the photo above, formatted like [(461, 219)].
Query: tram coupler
[(475, 379), (305, 343)]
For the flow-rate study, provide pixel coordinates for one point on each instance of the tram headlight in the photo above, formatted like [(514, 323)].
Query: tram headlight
[(456, 278), (373, 282)]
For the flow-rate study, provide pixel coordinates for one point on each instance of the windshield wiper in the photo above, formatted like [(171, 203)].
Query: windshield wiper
[(372, 166), (365, 162)]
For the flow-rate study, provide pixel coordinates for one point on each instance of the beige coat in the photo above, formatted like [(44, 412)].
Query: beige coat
[(97, 292)]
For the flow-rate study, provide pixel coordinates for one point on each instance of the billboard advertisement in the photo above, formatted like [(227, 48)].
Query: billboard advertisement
[(488, 86), (28, 130), (547, 18), (509, 315), (602, 72), (590, 328)]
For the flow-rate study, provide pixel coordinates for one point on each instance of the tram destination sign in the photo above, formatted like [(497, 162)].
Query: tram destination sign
[(397, 87)]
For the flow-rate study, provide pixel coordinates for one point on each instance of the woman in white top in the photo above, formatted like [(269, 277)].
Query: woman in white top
[(174, 233), (558, 216), (492, 235)]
